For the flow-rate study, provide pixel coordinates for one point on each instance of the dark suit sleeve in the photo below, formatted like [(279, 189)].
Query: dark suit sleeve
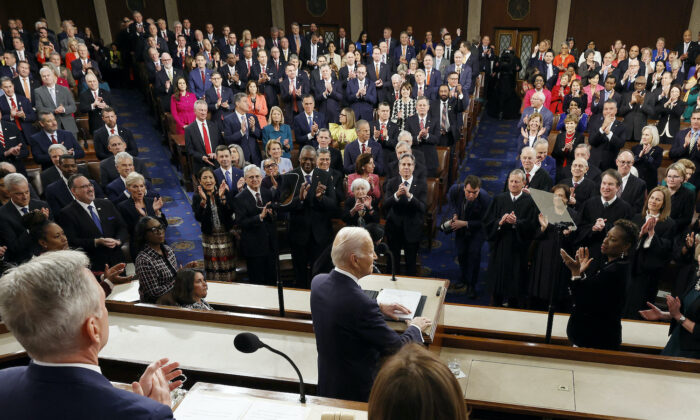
[(372, 327)]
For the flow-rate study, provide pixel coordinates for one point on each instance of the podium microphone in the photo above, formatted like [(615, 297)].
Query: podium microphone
[(247, 342), (384, 248)]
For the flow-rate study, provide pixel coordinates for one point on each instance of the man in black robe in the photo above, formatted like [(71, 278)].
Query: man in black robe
[(535, 177), (510, 224)]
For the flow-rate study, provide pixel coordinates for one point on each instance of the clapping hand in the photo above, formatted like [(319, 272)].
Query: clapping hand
[(155, 383), (202, 195), (112, 274), (580, 265), (652, 314), (648, 227), (304, 190), (320, 190), (599, 225)]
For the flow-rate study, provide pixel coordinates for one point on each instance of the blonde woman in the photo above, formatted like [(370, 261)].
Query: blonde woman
[(273, 150), (278, 130), (343, 132)]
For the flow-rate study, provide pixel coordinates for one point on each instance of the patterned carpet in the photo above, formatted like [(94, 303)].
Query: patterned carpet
[(183, 233), (491, 155)]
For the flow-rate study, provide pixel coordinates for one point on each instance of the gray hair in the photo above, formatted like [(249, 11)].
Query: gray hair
[(518, 172), (44, 70), (527, 149), (538, 95), (323, 151), (540, 141), (200, 102), (395, 77), (361, 123), (347, 242), (113, 136), (121, 156), (58, 146), (14, 179), (249, 168), (405, 136), (241, 156), (46, 301), (359, 183), (654, 131), (240, 96), (134, 177), (307, 148)]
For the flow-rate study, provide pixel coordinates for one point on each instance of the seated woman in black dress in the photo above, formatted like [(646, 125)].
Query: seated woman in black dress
[(683, 308), (599, 297), (139, 205), (657, 230), (361, 208), (189, 291)]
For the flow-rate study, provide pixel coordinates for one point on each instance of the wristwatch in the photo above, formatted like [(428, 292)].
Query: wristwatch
[(681, 319)]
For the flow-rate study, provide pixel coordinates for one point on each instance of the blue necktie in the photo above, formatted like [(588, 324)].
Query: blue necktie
[(308, 179), (25, 210), (228, 179), (95, 218), (405, 183), (311, 122)]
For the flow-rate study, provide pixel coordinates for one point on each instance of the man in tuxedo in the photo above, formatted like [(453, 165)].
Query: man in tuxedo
[(602, 96), (686, 143), (202, 137), (56, 100), (57, 193), (379, 74), (537, 105), (405, 205), (310, 228), (307, 123), (80, 65), (633, 190), (219, 100), (468, 204), (50, 134), (17, 110), (200, 77), (254, 215), (24, 83), (242, 128), (13, 234), (385, 132), (94, 101), (403, 53), (12, 146), (163, 85), (324, 142), (351, 333), (108, 129), (292, 90), (607, 136), (361, 94), (448, 111), (93, 224), (323, 163), (426, 134), (328, 94), (363, 144), (342, 42), (688, 50), (230, 75)]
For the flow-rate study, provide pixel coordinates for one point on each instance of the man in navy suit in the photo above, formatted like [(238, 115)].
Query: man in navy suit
[(17, 109), (363, 144), (266, 78), (242, 128), (426, 134), (292, 89), (351, 333), (115, 189), (537, 102), (451, 107), (200, 77), (202, 137), (421, 88), (226, 172), (685, 143), (380, 78), (80, 65), (548, 70), (403, 53), (25, 82), (307, 123), (12, 146), (49, 135), (433, 77), (219, 100), (20, 246), (361, 94), (93, 101), (328, 94), (607, 137), (57, 289), (58, 195), (295, 39), (165, 78), (110, 128), (464, 73), (244, 66)]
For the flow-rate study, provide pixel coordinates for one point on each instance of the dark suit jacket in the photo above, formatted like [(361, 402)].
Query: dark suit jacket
[(40, 144), (101, 141), (159, 86), (194, 143), (635, 116), (560, 156), (454, 115), (475, 211), (58, 195), (603, 150), (286, 99), (389, 142), (13, 137), (410, 53), (329, 105), (258, 238), (77, 70), (60, 386), (82, 231), (301, 128), (108, 170), (236, 174), (312, 217), (19, 88), (249, 141), (218, 114), (51, 175), (14, 235), (425, 145), (204, 214), (428, 92), (364, 105), (94, 115), (195, 81), (351, 337), (353, 151), (30, 115), (305, 53), (585, 189), (404, 214), (635, 193)]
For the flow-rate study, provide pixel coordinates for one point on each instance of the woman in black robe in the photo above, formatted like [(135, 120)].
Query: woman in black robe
[(599, 295), (548, 270)]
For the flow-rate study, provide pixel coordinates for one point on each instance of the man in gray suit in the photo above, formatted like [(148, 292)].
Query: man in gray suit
[(441, 63), (57, 100)]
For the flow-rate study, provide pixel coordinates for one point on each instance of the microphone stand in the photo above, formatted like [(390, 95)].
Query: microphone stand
[(560, 227), (276, 253), (385, 248), (302, 394)]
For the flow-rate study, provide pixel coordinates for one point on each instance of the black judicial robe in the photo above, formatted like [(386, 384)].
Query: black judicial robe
[(540, 181), (583, 191), (509, 244), (592, 210), (682, 208)]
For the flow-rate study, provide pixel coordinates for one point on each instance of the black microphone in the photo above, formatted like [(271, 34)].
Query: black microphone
[(382, 246), (247, 342)]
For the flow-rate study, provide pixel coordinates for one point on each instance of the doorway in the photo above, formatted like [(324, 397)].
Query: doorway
[(523, 41)]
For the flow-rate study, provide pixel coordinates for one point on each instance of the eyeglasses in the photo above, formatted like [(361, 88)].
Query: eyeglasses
[(625, 162), (156, 229), (270, 165)]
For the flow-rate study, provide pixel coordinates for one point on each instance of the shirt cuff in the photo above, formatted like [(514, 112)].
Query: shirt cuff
[(309, 136), (420, 333)]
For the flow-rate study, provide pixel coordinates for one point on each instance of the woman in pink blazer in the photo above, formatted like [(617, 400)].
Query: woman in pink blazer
[(182, 105)]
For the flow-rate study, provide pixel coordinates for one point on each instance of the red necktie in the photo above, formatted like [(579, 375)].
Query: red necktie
[(528, 178), (2, 139), (94, 93), (218, 93), (363, 148), (248, 63), (53, 139), (381, 132), (111, 131), (396, 95), (422, 126), (342, 44), (294, 96), (14, 106), (207, 143), (541, 56), (204, 80)]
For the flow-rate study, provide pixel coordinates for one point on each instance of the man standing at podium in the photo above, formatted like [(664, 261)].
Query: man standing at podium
[(351, 334), (56, 310)]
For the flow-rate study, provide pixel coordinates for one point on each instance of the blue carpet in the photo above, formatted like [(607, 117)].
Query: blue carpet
[(490, 155), (183, 233)]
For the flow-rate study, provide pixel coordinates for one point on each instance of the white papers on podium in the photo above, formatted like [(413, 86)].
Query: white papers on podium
[(407, 298), (210, 405)]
